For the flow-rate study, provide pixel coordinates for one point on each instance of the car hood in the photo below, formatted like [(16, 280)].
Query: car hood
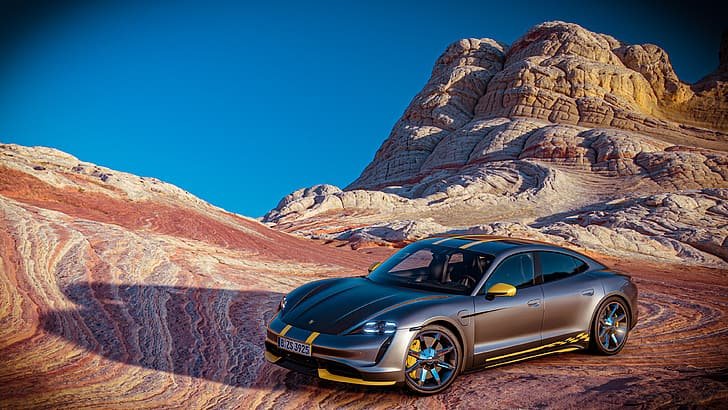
[(334, 306)]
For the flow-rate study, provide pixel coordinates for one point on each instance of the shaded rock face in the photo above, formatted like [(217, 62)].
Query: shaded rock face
[(561, 120)]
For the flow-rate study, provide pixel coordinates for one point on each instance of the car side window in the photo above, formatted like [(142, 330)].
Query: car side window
[(516, 270), (555, 266)]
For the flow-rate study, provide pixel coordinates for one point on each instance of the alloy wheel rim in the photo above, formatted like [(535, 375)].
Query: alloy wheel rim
[(612, 329), (431, 360)]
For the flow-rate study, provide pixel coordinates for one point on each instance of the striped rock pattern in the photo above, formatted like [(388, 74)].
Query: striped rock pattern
[(115, 296)]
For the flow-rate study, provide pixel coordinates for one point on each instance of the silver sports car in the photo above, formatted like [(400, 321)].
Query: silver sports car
[(446, 305)]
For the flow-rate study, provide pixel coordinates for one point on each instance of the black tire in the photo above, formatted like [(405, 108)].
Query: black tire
[(433, 363), (610, 330)]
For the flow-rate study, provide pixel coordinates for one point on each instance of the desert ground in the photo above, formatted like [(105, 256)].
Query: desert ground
[(95, 315)]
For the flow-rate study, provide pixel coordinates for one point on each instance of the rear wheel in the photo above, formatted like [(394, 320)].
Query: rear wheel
[(611, 327), (433, 360)]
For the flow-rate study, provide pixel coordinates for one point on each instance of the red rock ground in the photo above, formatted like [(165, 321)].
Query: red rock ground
[(113, 303)]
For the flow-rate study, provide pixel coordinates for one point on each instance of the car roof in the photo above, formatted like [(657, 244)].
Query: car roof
[(490, 244)]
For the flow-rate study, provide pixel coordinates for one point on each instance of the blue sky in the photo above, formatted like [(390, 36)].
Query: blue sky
[(242, 103)]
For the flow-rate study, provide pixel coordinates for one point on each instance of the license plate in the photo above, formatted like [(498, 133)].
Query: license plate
[(294, 346)]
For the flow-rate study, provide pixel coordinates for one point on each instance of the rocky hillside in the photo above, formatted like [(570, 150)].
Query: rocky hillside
[(566, 135), (116, 289), (120, 291)]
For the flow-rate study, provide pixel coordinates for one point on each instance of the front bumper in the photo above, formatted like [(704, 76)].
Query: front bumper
[(375, 360)]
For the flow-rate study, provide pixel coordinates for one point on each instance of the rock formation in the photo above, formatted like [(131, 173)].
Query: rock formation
[(117, 289), (561, 121)]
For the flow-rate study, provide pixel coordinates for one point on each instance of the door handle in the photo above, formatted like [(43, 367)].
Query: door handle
[(588, 292), (534, 302)]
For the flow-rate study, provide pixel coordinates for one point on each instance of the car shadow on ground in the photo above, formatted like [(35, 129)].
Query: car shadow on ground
[(212, 334)]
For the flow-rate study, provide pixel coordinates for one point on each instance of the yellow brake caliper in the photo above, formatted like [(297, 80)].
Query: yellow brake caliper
[(415, 347)]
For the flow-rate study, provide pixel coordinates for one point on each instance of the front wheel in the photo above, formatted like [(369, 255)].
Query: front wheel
[(433, 360), (611, 327)]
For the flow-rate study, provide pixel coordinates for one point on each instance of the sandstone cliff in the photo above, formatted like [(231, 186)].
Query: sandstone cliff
[(538, 134)]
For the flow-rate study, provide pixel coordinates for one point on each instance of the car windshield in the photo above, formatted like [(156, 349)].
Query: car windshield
[(433, 267)]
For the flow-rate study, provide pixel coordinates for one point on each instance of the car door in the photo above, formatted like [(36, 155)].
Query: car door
[(506, 324), (570, 295)]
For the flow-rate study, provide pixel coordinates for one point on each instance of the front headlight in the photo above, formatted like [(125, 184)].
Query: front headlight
[(380, 327), (282, 304)]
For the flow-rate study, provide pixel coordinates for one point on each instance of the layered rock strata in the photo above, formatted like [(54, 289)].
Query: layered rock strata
[(560, 121)]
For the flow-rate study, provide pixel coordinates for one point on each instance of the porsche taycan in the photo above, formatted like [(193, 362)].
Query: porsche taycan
[(447, 305)]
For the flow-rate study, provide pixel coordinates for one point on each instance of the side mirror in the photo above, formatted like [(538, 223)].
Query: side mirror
[(501, 289), (374, 266)]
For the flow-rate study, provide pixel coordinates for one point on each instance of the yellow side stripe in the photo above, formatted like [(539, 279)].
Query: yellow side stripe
[(522, 352), (312, 337), (285, 330), (534, 349), (568, 349), (325, 374), (271, 357)]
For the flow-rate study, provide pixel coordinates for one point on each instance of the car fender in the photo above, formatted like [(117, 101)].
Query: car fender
[(463, 333), (619, 284)]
